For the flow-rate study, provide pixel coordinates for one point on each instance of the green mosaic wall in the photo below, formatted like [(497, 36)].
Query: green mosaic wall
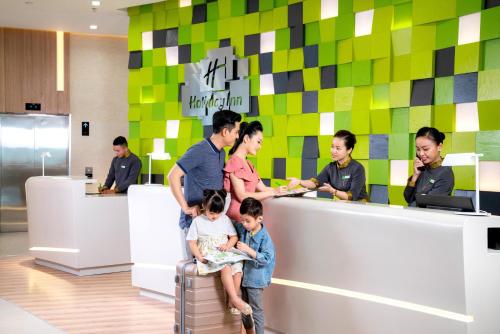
[(410, 71)]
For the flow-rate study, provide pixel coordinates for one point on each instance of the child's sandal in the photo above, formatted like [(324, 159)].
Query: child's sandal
[(247, 310)]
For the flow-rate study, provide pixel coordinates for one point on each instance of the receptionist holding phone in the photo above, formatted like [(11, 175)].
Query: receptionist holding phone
[(429, 176)]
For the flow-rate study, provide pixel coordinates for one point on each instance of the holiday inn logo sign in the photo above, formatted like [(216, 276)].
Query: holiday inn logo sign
[(217, 82)]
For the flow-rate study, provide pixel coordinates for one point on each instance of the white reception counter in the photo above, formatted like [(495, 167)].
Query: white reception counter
[(74, 232), (155, 240), (347, 268)]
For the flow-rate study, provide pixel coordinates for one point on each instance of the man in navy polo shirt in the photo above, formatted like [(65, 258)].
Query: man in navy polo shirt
[(202, 166)]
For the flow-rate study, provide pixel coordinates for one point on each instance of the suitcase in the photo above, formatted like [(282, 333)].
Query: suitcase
[(200, 303)]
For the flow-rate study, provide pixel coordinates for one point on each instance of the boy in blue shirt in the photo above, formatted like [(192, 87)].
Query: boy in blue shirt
[(257, 243)]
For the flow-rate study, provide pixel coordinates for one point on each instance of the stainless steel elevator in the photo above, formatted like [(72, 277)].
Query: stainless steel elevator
[(23, 139)]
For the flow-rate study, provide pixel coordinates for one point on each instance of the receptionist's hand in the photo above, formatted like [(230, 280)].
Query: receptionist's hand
[(108, 191), (327, 187), (294, 182), (417, 163)]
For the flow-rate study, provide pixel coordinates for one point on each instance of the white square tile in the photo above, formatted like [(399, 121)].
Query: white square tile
[(158, 145), (172, 54), (267, 42), (489, 175), (469, 28), (466, 117), (266, 84), (147, 40), (184, 3), (327, 124), (173, 129), (329, 8), (399, 172), (364, 21)]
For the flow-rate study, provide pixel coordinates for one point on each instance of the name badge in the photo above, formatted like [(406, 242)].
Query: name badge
[(432, 181), (346, 177), (123, 166)]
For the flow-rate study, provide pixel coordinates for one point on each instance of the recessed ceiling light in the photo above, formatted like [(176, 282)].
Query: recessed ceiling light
[(96, 3), (93, 27)]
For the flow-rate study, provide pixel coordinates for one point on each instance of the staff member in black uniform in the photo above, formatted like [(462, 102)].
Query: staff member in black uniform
[(344, 178), (429, 177), (124, 170)]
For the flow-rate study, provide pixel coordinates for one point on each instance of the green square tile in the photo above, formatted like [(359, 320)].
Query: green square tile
[(146, 21), (146, 111), (464, 177), (400, 94), (172, 74), (488, 143), (381, 96), (382, 19), (280, 61), (266, 104), (487, 84), (160, 20), (401, 41), (425, 11), (295, 145), (403, 17), (184, 35), (423, 38), (294, 103), (422, 65), (280, 17), (419, 117), (293, 167), (134, 112), (361, 121), (401, 66), (279, 104), (489, 115), (279, 146), (344, 26), (224, 8), (343, 98), (311, 11), (252, 23), (492, 54), (134, 77), (225, 27), (345, 7), (280, 125), (465, 7), (362, 150), (312, 33), (211, 31), (197, 52), (198, 32), (396, 195), (467, 58), (172, 20), (463, 142), (327, 30), (443, 92), (311, 79), (238, 7), (400, 120), (212, 11), (282, 39), (380, 121), (295, 59), (266, 21), (362, 47), (362, 5), (399, 146), (344, 75), (254, 85), (381, 70), (361, 73), (326, 53), (185, 16), (325, 144), (265, 5), (342, 120), (490, 28), (446, 33), (159, 57), (362, 98), (133, 130), (444, 117), (326, 100), (147, 58), (344, 51), (380, 45), (303, 125), (378, 172)]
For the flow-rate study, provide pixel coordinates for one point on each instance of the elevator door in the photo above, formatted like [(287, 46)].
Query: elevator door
[(22, 141)]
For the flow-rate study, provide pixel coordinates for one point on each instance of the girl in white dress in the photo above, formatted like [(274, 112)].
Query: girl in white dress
[(213, 232)]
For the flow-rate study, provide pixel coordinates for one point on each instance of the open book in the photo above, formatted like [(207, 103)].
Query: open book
[(297, 192), (231, 256)]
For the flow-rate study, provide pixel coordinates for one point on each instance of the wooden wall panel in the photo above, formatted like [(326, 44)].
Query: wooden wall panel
[(31, 71), (14, 70), (2, 72)]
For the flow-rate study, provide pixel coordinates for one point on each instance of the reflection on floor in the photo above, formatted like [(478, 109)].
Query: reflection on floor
[(93, 304), (14, 320), (14, 243)]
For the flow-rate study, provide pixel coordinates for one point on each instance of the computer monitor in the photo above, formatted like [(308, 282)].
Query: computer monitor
[(443, 202)]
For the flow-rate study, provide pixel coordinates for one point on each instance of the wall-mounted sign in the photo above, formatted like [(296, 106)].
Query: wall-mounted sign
[(217, 82), (85, 128)]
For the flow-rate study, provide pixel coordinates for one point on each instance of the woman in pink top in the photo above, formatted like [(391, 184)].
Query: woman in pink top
[(240, 177)]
